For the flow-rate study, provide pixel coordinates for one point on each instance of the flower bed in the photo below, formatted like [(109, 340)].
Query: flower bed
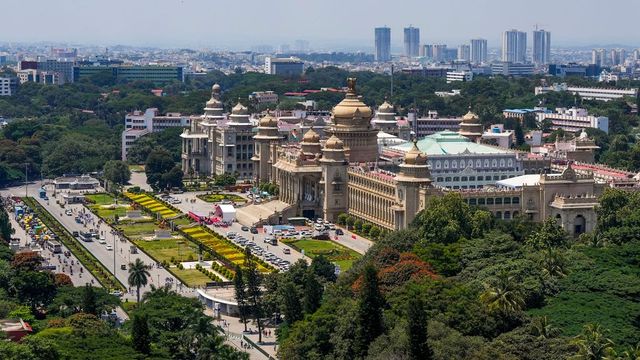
[(227, 252), (95, 267), (154, 205), (214, 198)]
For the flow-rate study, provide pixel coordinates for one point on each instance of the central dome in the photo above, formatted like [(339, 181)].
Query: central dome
[(352, 106), (311, 137), (239, 109), (470, 117), (334, 143)]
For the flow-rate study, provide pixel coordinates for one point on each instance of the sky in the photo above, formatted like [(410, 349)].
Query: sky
[(326, 24)]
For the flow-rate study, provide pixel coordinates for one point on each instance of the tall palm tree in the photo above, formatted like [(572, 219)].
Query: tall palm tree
[(593, 344), (504, 296), (138, 274), (542, 328)]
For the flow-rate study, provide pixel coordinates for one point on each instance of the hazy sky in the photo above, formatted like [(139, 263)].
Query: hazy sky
[(324, 23)]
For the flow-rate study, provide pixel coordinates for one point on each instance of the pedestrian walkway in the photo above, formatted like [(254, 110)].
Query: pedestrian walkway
[(235, 328)]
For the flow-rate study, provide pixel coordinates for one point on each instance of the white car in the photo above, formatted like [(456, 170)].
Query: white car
[(109, 247), (102, 241)]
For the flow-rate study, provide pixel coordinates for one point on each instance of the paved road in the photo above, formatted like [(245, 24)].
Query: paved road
[(120, 250)]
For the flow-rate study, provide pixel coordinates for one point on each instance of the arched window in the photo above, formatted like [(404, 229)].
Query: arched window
[(486, 163), (507, 215), (454, 164), (510, 162), (470, 163), (494, 163), (446, 164), (438, 164), (478, 163), (498, 214), (501, 163)]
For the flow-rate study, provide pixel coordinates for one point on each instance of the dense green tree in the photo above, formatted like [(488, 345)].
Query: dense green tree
[(369, 316), (5, 227), (89, 300), (159, 162), (240, 290), (291, 307), (323, 268), (138, 275), (593, 344), (550, 236), (312, 292), (70, 300), (117, 172), (504, 295), (33, 288), (140, 337), (254, 293), (417, 330)]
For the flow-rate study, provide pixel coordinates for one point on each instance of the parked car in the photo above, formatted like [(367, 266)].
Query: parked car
[(286, 251), (339, 232), (245, 228), (253, 230), (102, 241), (109, 247)]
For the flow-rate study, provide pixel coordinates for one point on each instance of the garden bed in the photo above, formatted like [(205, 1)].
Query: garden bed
[(154, 205), (214, 198)]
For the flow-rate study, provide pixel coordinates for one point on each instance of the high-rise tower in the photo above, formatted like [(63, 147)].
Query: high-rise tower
[(411, 41), (478, 51), (541, 47), (383, 44), (514, 46)]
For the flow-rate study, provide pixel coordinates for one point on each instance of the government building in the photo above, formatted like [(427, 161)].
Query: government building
[(342, 168)]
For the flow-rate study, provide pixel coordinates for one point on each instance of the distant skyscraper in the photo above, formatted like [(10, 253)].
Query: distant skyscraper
[(478, 51), (436, 53), (411, 41), (383, 44), (514, 46), (464, 52), (618, 56), (598, 57), (541, 46), (636, 55)]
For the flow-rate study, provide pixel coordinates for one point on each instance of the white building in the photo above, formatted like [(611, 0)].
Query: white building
[(574, 119), (464, 53), (478, 51), (8, 86), (263, 97), (502, 138), (514, 46), (459, 76), (138, 124), (603, 94)]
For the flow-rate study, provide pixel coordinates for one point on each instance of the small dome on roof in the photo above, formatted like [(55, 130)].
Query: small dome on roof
[(470, 117), (268, 121), (334, 143), (415, 156), (385, 107), (311, 137), (215, 88), (239, 109)]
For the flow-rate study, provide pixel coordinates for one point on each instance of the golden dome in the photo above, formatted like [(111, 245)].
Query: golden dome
[(311, 137), (334, 143), (470, 117), (351, 106), (385, 108), (415, 156), (268, 121), (215, 89), (239, 109), (214, 103)]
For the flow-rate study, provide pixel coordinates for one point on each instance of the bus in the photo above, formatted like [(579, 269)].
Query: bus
[(298, 221), (54, 246)]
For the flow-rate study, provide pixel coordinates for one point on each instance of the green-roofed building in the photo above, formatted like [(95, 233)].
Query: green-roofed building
[(458, 163)]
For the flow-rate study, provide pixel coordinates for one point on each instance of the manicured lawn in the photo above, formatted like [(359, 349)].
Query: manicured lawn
[(106, 213), (138, 230), (166, 249), (212, 198), (101, 199), (334, 252), (191, 277), (182, 221)]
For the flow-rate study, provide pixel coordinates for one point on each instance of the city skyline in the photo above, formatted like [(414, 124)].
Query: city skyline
[(76, 23)]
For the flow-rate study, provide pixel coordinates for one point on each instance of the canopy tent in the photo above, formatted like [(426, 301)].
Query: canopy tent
[(226, 212)]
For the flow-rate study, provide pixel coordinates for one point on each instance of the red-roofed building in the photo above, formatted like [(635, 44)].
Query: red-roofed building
[(15, 330)]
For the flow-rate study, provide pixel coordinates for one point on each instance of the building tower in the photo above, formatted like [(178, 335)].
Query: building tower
[(598, 57), (464, 53), (470, 126), (478, 51), (383, 44), (334, 179), (514, 46), (411, 41), (265, 148), (541, 47), (351, 123), (413, 177)]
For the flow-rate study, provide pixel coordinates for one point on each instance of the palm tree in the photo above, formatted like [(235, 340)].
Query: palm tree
[(592, 344), (553, 264), (542, 329), (633, 353), (138, 274), (504, 296)]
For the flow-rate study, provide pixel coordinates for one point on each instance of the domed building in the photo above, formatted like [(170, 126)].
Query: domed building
[(385, 121), (471, 127), (351, 123), (217, 143)]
